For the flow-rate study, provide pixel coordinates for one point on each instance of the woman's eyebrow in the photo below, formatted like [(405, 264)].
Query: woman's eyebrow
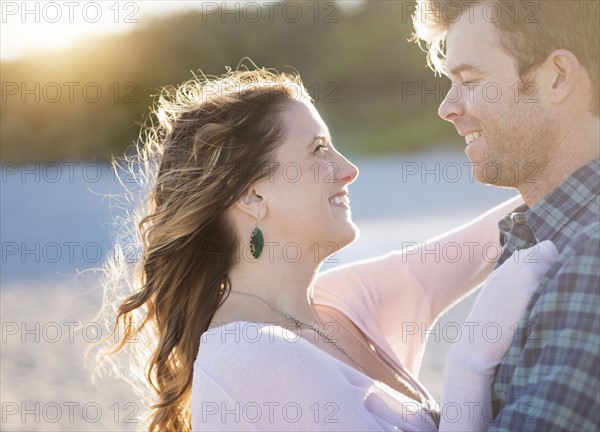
[(317, 138)]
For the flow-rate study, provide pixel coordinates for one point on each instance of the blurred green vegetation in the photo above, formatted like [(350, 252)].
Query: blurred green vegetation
[(366, 78)]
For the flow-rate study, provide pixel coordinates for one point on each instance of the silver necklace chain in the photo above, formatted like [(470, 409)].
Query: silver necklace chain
[(299, 323), (424, 398)]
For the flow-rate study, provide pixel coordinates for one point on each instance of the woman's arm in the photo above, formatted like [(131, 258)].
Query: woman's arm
[(486, 337), (401, 294), (462, 258)]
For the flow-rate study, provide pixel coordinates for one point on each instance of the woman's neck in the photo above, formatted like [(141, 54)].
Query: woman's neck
[(285, 285)]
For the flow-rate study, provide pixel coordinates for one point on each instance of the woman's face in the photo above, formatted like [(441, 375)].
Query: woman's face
[(307, 198)]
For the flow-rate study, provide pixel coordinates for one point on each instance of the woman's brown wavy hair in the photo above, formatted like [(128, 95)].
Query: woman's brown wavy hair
[(206, 142)]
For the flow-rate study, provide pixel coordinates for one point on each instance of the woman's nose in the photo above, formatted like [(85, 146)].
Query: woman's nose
[(347, 172)]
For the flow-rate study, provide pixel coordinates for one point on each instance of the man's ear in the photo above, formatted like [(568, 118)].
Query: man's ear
[(252, 203), (562, 72)]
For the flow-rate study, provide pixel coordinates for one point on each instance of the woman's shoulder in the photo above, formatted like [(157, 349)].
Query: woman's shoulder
[(258, 363), (244, 357), (254, 344)]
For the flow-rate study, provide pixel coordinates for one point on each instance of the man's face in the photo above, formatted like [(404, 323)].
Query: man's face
[(508, 134)]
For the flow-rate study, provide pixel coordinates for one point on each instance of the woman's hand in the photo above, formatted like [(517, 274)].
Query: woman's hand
[(490, 327), (486, 336)]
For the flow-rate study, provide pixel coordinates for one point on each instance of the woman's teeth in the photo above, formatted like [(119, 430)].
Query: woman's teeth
[(340, 200)]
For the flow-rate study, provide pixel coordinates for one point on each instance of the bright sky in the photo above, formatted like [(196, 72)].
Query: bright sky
[(41, 25), (33, 26)]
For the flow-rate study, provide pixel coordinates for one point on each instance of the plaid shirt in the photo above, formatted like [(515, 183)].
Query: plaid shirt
[(549, 379)]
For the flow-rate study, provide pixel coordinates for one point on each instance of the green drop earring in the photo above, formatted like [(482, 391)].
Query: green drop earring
[(257, 241)]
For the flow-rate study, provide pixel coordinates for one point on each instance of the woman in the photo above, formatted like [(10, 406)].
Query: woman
[(249, 197)]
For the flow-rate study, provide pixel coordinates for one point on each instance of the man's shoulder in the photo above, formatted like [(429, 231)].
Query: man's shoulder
[(580, 236), (573, 282), (583, 222), (583, 246)]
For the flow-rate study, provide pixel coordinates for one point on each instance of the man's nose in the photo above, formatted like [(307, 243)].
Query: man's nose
[(452, 106)]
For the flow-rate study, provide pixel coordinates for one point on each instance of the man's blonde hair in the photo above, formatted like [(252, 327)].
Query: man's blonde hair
[(529, 30)]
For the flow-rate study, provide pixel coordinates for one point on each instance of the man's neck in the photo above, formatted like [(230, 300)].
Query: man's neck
[(550, 179), (576, 150)]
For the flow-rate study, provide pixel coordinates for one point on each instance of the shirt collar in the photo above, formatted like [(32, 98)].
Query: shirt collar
[(552, 215)]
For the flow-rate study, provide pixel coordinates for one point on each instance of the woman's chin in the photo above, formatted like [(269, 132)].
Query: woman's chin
[(334, 241), (350, 235)]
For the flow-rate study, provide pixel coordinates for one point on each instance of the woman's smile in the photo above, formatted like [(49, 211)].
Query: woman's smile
[(341, 200)]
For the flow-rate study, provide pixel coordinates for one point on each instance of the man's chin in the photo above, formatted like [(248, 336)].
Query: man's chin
[(491, 174), (483, 170)]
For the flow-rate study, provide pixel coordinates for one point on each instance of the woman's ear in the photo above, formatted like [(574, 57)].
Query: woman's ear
[(252, 203)]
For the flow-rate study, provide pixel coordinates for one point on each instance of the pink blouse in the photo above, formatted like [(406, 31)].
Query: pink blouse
[(251, 376)]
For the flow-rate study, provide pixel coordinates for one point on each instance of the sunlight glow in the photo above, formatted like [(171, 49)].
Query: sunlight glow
[(36, 26)]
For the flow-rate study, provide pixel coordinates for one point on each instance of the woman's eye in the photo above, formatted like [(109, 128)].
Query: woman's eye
[(321, 148)]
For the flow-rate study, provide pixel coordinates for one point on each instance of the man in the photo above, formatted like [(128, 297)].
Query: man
[(525, 95)]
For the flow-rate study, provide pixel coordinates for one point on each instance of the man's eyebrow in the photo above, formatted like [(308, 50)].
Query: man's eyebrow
[(463, 67)]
